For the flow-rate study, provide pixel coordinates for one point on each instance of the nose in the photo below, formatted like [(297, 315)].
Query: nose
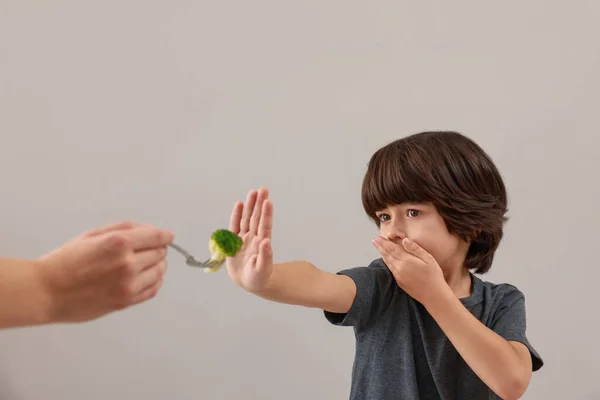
[(393, 232)]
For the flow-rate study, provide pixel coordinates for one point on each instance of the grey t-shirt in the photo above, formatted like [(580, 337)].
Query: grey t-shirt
[(402, 353)]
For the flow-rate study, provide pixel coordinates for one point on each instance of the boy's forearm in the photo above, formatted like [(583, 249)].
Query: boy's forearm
[(301, 283), (491, 357), (23, 300)]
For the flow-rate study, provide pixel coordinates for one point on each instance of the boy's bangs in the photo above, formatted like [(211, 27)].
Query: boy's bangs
[(391, 179)]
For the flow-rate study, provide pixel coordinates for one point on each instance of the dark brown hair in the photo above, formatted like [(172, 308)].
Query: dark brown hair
[(453, 173)]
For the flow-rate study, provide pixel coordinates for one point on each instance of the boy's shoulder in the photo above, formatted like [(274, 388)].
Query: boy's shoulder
[(480, 287), (375, 278), (507, 292)]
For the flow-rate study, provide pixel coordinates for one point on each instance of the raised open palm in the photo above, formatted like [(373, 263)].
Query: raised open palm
[(253, 220)]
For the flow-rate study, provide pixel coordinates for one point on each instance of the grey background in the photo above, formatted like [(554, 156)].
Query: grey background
[(168, 111)]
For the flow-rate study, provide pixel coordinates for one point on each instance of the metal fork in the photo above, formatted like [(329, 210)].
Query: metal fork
[(193, 261)]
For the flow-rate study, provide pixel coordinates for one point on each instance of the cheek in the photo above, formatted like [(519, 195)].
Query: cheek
[(442, 249), (444, 252), (432, 247)]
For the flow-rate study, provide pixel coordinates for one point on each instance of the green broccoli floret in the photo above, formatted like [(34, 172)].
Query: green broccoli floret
[(223, 243)]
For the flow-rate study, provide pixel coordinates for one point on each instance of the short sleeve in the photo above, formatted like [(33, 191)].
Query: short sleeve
[(510, 322), (373, 285)]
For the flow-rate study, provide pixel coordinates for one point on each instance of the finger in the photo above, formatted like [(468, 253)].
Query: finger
[(266, 220), (250, 258), (253, 245), (123, 225), (145, 259), (413, 248), (387, 247), (262, 195), (252, 261), (247, 211), (236, 217), (148, 237), (149, 277), (265, 255), (149, 293), (246, 242)]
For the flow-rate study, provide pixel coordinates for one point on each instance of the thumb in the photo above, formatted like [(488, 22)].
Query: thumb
[(265, 254), (413, 248), (258, 268)]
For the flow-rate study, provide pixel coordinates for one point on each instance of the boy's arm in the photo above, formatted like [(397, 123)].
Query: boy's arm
[(298, 282), (504, 366), (301, 283)]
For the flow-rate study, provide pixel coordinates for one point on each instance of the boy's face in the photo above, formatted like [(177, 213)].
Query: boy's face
[(423, 224)]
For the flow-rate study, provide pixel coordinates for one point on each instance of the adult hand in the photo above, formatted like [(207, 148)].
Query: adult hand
[(104, 270)]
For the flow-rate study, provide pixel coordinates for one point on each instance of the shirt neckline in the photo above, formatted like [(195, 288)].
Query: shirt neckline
[(476, 292)]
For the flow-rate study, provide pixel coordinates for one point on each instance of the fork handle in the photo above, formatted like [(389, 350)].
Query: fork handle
[(182, 251), (191, 260)]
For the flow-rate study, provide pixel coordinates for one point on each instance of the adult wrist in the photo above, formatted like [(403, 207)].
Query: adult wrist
[(47, 297)]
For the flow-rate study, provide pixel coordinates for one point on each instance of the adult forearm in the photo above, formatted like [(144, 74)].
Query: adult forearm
[(491, 357), (301, 283), (23, 299)]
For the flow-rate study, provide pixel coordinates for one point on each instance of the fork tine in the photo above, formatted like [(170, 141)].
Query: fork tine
[(212, 266), (208, 265)]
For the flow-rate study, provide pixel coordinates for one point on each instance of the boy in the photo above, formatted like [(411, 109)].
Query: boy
[(426, 327)]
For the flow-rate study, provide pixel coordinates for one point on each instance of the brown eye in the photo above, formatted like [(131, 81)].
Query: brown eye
[(383, 217), (413, 213)]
